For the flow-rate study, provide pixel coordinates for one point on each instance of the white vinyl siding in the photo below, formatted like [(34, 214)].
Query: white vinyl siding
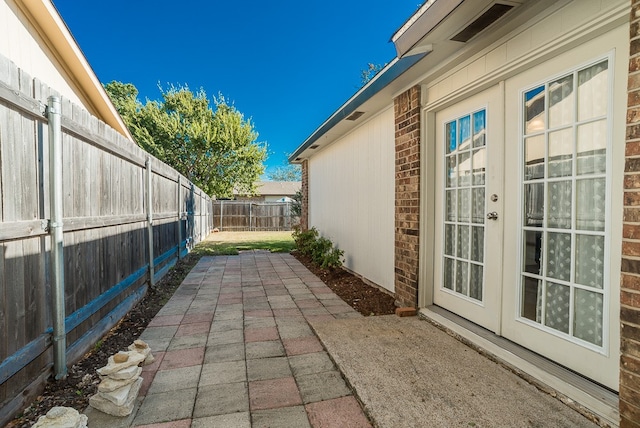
[(352, 194)]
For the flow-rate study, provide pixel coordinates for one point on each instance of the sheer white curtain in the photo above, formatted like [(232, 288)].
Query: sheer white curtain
[(565, 201)]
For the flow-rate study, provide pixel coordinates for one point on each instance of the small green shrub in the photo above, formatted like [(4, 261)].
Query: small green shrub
[(305, 239), (320, 249)]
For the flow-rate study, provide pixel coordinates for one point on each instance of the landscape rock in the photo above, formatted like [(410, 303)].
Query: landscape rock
[(143, 348), (133, 359), (105, 405), (121, 395), (121, 381), (109, 384), (126, 373), (120, 357), (62, 417)]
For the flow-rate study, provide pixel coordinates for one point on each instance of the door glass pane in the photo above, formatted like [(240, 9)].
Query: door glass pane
[(449, 273), (452, 171), (531, 298), (557, 307), (588, 316), (464, 205), (463, 242), (534, 157), (452, 137), (465, 133), (593, 85), (561, 102), (590, 260), (590, 204), (462, 277), (533, 204), (449, 239), (479, 128), (478, 205), (450, 210), (464, 169), (475, 282), (533, 251), (477, 244), (561, 153), (559, 211), (534, 110), (479, 166), (592, 148), (559, 255)]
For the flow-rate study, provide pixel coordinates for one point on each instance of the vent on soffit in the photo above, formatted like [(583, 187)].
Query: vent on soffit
[(492, 14), (315, 146), (355, 115)]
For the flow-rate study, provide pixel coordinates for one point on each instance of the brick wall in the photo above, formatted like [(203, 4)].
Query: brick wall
[(630, 286), (304, 212), (407, 206)]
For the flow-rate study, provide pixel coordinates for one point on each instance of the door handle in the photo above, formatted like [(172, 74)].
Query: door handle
[(492, 215)]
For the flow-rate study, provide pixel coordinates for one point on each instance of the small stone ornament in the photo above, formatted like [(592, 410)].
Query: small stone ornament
[(62, 417), (120, 384), (142, 347)]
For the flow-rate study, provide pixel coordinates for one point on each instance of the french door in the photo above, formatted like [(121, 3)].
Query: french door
[(525, 193), (560, 288), (468, 217)]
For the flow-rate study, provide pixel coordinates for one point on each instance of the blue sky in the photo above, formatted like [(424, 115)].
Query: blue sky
[(285, 64)]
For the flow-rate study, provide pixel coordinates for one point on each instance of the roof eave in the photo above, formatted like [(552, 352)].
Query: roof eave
[(387, 75), (426, 18), (46, 18)]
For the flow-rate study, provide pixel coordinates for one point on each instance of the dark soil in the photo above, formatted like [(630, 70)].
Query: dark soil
[(82, 379), (362, 297)]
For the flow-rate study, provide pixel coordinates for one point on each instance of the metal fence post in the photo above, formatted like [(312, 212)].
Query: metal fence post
[(150, 220), (57, 237), (179, 217)]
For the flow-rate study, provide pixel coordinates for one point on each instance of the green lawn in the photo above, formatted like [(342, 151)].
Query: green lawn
[(229, 243)]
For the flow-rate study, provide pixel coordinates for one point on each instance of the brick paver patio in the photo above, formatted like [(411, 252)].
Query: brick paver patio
[(234, 348)]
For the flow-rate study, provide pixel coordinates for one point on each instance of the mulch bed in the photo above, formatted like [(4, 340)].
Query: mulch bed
[(361, 296), (82, 379)]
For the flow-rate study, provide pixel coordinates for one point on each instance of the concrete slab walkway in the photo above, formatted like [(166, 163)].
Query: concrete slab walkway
[(242, 344), (234, 348)]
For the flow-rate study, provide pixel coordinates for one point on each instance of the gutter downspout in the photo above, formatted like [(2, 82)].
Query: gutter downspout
[(57, 238)]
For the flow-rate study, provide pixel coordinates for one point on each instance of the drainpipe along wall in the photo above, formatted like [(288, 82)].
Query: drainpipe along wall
[(57, 242)]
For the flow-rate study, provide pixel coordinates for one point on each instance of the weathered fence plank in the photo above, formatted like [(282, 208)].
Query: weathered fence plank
[(247, 215), (104, 226)]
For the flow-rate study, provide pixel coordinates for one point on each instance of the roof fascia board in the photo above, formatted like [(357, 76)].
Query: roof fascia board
[(46, 19), (428, 17), (390, 73)]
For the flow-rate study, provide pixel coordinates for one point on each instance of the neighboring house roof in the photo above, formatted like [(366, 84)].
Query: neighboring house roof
[(51, 30), (275, 188)]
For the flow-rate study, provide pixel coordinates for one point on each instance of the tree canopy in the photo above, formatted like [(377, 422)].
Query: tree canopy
[(215, 149), (288, 172)]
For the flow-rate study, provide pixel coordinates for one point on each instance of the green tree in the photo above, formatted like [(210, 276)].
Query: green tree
[(215, 149), (288, 172)]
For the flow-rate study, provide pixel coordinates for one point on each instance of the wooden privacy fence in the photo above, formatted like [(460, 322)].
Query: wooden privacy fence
[(127, 218), (247, 215)]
